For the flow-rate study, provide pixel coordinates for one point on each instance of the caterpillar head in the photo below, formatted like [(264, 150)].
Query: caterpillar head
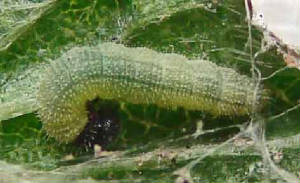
[(102, 127), (71, 111)]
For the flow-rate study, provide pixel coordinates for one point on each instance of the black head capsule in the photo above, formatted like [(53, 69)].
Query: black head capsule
[(103, 126)]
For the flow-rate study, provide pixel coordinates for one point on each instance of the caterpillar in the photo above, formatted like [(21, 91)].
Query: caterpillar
[(140, 75)]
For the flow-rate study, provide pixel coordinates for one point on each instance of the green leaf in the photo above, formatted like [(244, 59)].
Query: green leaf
[(154, 144)]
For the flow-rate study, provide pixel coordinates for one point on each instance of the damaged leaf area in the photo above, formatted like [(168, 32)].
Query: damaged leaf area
[(150, 142)]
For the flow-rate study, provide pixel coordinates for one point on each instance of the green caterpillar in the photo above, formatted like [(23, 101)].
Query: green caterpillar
[(138, 76)]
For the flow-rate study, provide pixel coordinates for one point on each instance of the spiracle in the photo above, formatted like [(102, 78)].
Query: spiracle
[(112, 71)]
